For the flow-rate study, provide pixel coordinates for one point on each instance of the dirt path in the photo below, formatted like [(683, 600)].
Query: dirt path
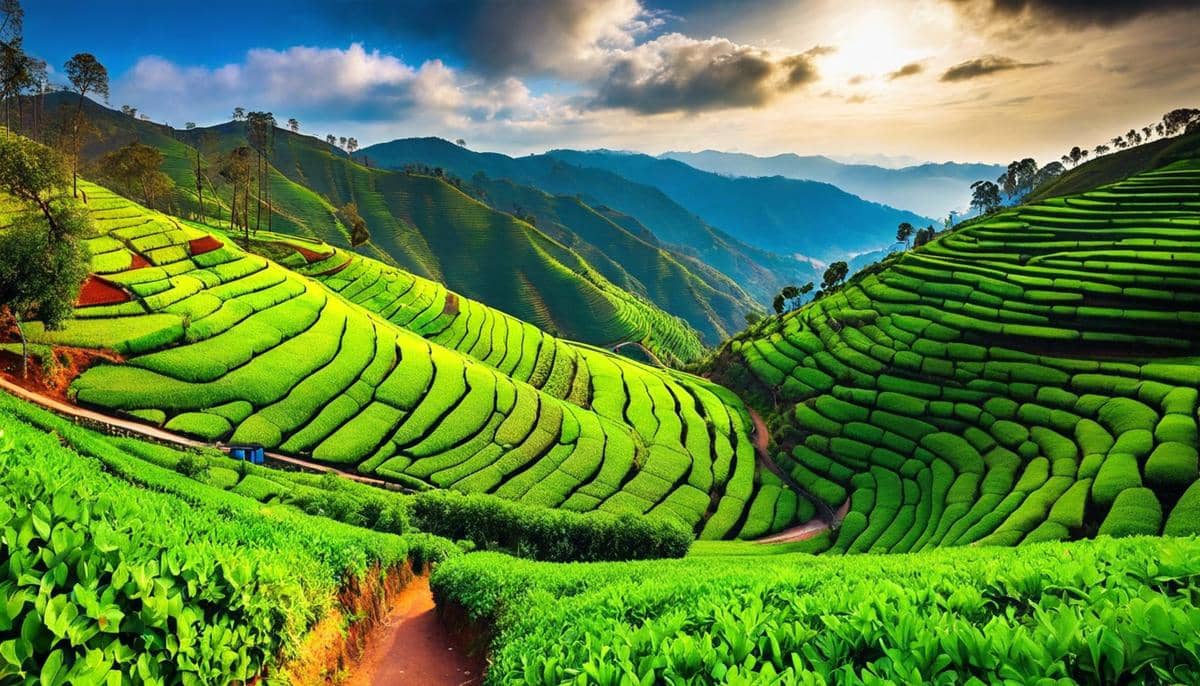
[(807, 530), (413, 647), (653, 358), (825, 515), (157, 434)]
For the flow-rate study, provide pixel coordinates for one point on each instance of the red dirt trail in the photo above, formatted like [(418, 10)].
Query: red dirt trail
[(801, 532), (413, 647)]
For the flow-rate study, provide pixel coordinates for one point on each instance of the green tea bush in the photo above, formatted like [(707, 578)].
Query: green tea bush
[(1107, 611), (1136, 512), (545, 534)]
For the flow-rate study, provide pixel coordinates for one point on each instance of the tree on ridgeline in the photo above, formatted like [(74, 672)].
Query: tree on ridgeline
[(1179, 120), (1049, 172), (331, 139), (1118, 142), (43, 260), (1101, 149), (351, 144), (923, 236), (1133, 137), (86, 75), (904, 232), (1148, 131), (239, 113), (778, 303), (294, 125), (460, 143), (358, 226), (985, 196), (135, 171), (834, 275), (753, 318), (342, 142)]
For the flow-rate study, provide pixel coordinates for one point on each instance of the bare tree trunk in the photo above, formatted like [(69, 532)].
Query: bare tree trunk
[(24, 347)]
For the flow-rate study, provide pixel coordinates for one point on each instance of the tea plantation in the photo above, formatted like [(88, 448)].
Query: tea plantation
[(1030, 377), (1092, 612), (373, 369), (119, 571)]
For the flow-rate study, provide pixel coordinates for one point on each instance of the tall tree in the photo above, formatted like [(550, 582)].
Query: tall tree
[(359, 234), (260, 129), (904, 232), (351, 145), (985, 196), (331, 139), (86, 75), (42, 259), (1100, 149), (294, 125), (239, 113), (237, 169), (135, 171), (835, 274)]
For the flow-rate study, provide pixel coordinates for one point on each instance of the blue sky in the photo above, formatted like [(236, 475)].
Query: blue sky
[(930, 79)]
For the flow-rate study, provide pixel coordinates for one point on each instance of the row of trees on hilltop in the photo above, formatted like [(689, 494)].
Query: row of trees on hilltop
[(1023, 176), (1182, 120)]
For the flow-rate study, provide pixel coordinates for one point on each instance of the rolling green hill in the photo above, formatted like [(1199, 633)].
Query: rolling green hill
[(430, 228), (416, 385), (760, 272), (1029, 377), (632, 257), (1120, 164)]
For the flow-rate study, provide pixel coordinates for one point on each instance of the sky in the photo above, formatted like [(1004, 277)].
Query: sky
[(966, 80)]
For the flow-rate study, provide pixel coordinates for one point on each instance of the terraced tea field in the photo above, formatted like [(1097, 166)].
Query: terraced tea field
[(1030, 377), (372, 369)]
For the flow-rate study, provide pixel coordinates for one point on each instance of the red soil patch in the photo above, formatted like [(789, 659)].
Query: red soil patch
[(309, 256), (200, 246), (97, 291), (335, 270), (415, 647), (138, 262), (55, 380), (451, 306)]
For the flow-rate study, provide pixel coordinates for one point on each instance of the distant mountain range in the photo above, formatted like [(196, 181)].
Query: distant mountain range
[(633, 205), (775, 213), (931, 189), (717, 215)]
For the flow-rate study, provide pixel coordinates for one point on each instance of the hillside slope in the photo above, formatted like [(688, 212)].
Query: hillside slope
[(631, 258), (773, 213), (1120, 164), (228, 346), (760, 272), (425, 226), (1030, 377), (931, 189)]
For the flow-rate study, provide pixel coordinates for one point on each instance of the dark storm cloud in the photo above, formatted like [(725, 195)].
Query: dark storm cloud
[(678, 74), (985, 66), (911, 69), (500, 36), (1081, 13)]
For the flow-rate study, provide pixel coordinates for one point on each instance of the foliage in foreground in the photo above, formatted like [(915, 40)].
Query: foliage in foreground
[(180, 583), (1101, 612)]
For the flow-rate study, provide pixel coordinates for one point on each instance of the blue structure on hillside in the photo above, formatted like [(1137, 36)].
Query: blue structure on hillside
[(250, 453)]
